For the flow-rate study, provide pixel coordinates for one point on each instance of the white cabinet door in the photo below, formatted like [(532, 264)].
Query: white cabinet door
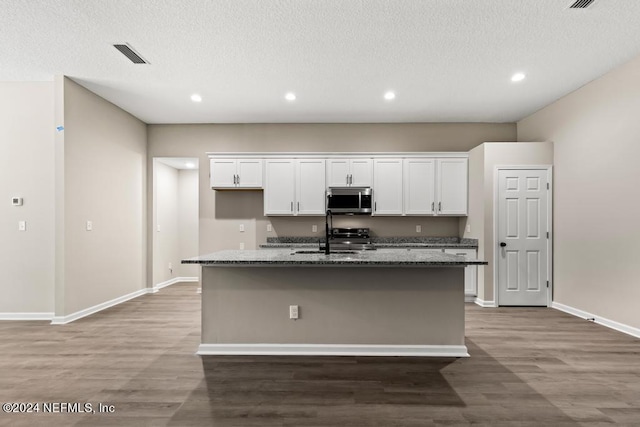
[(310, 187), (337, 172), (236, 173), (451, 187), (280, 189), (419, 186), (361, 173), (249, 173), (349, 172), (387, 187), (470, 271), (222, 173)]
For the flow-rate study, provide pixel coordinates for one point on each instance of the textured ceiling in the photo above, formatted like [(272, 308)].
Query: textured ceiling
[(447, 60)]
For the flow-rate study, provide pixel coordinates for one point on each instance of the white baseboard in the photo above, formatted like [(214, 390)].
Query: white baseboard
[(332, 350), (61, 320), (621, 327), (486, 304), (469, 298), (26, 316), (173, 282)]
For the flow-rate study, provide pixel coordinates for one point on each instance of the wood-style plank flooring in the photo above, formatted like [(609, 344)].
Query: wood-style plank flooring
[(528, 367)]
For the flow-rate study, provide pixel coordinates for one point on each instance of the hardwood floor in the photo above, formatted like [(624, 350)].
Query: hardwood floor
[(528, 367)]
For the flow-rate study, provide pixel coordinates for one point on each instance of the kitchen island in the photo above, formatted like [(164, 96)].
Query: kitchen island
[(388, 302)]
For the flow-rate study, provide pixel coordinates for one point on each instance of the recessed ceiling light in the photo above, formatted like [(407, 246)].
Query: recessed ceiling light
[(389, 95), (290, 96), (196, 98), (190, 165), (517, 77)]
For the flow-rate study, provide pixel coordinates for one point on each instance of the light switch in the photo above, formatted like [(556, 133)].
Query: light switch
[(22, 225), (468, 228), (269, 227), (418, 229), (242, 246), (89, 225), (314, 228), (242, 228)]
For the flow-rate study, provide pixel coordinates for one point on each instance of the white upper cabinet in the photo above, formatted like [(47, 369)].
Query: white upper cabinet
[(236, 173), (280, 189), (423, 184), (294, 187), (435, 186), (419, 186), (349, 173), (387, 187), (451, 186), (310, 186)]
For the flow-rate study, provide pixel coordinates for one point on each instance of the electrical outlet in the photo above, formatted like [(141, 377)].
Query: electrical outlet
[(158, 228), (89, 225), (418, 229), (314, 228), (22, 225), (468, 228), (170, 266), (242, 228), (269, 228), (242, 246), (293, 312)]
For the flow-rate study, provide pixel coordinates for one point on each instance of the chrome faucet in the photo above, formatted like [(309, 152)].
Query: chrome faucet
[(327, 231)]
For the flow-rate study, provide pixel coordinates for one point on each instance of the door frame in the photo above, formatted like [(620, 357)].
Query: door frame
[(496, 251)]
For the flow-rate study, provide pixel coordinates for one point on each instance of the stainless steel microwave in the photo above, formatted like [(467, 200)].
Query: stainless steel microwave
[(350, 200)]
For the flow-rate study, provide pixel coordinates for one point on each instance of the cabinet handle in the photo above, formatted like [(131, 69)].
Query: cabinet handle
[(238, 179), (350, 179), (433, 206), (291, 206), (439, 206), (375, 206), (298, 206), (234, 179)]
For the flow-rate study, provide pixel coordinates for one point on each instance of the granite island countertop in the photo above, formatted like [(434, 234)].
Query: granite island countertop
[(288, 257)]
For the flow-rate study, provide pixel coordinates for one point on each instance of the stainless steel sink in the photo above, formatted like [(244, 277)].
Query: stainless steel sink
[(306, 251)]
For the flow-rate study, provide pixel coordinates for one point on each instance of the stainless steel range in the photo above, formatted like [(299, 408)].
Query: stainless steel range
[(355, 239)]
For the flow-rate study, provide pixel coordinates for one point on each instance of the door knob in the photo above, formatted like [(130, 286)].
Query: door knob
[(503, 244)]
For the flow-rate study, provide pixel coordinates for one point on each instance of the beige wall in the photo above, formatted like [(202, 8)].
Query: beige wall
[(103, 165), (27, 170), (596, 136), (222, 212), (188, 221), (482, 166), (166, 243)]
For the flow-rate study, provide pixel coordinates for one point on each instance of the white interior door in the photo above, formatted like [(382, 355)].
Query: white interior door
[(522, 236)]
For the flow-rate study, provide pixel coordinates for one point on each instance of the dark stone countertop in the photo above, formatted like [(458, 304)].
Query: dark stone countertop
[(287, 257)]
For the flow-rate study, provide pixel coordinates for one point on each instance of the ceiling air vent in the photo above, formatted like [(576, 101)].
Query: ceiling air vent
[(127, 51), (581, 4)]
